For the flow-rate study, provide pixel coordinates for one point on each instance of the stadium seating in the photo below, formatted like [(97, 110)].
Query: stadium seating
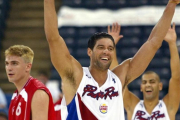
[(4, 9)]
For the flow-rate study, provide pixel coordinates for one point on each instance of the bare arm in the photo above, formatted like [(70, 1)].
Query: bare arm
[(40, 105), (114, 32), (69, 69), (130, 101), (172, 98), (142, 58), (60, 56)]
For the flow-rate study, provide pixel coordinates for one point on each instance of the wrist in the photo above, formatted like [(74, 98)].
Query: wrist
[(173, 1), (172, 43)]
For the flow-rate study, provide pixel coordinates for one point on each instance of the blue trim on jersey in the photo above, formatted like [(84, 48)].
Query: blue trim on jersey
[(72, 112)]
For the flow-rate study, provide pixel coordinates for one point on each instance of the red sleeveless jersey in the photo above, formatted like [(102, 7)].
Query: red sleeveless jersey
[(20, 106), (57, 107)]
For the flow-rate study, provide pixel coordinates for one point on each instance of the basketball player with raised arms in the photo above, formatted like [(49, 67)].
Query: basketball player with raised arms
[(95, 92), (32, 100), (151, 108)]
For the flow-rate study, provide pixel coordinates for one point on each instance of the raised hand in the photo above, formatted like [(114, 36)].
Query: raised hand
[(115, 32), (174, 1), (171, 34)]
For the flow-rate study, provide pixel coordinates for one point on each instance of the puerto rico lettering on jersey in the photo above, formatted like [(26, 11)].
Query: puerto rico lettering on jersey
[(92, 102), (155, 115), (158, 113), (109, 92)]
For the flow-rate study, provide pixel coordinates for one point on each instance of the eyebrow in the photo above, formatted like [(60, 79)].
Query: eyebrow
[(149, 80)]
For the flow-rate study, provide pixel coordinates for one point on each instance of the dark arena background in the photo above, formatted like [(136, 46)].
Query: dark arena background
[(22, 22)]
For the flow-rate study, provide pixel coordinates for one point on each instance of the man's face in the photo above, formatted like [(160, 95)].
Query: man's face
[(16, 68), (102, 53), (150, 86)]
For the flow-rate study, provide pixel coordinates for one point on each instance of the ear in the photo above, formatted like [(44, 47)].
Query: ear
[(28, 67), (141, 88), (89, 52), (160, 86)]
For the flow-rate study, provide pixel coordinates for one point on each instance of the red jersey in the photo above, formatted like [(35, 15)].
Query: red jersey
[(57, 107), (20, 106)]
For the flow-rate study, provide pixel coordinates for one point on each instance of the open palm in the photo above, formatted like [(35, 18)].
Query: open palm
[(171, 34), (115, 31)]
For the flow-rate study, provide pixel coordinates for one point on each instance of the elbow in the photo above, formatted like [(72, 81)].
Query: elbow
[(155, 43)]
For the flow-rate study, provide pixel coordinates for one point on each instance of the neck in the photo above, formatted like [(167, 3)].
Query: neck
[(20, 83), (99, 76), (150, 105)]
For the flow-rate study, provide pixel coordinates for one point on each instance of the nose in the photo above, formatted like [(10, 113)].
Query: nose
[(148, 84), (8, 68), (105, 51)]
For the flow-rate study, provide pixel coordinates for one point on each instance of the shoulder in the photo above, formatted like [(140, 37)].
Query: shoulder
[(121, 70), (40, 97), (36, 85)]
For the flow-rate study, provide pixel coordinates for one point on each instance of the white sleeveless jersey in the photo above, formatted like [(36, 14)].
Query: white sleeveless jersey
[(158, 113), (97, 103)]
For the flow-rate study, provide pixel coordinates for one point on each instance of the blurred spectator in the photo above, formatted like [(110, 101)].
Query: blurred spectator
[(3, 101), (3, 116), (52, 85)]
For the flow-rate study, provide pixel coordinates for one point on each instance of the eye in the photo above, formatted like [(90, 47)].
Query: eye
[(110, 49), (6, 63), (152, 82), (14, 63), (100, 47), (143, 82)]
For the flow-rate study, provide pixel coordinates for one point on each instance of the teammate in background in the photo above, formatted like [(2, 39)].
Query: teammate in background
[(151, 108), (32, 100), (95, 92)]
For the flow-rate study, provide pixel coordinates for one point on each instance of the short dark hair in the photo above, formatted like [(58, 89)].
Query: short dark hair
[(152, 72), (92, 41)]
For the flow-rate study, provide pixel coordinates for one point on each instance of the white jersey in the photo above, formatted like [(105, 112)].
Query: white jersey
[(92, 102), (158, 113)]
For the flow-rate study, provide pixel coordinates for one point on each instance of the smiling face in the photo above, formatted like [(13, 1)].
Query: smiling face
[(151, 86), (16, 68), (101, 55)]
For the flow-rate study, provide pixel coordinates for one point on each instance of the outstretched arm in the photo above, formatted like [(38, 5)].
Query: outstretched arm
[(115, 33), (172, 98), (130, 101), (64, 63), (142, 58)]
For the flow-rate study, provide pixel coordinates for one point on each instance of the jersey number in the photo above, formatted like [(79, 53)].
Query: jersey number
[(18, 110)]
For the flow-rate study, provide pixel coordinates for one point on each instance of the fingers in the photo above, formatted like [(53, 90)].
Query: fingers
[(113, 27), (116, 27), (121, 36), (109, 30)]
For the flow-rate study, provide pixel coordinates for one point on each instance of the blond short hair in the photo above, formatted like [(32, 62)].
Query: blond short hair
[(22, 51)]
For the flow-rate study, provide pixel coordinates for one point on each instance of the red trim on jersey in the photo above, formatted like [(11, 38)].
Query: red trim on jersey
[(86, 114)]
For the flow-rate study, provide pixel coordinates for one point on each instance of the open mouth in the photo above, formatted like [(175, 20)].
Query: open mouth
[(148, 91), (10, 74), (106, 59)]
